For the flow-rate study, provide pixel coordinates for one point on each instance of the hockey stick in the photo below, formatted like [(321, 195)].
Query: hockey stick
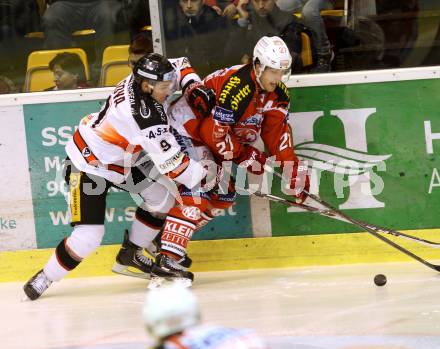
[(336, 212), (373, 232), (331, 214)]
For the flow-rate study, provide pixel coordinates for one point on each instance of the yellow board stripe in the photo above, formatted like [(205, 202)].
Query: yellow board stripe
[(234, 254), (75, 195)]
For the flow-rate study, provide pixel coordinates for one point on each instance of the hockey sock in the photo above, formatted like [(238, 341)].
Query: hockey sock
[(178, 230), (72, 250)]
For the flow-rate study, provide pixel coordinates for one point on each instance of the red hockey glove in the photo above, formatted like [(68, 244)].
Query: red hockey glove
[(200, 98), (299, 182), (252, 159)]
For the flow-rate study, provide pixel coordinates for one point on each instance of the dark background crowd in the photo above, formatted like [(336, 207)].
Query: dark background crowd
[(342, 36)]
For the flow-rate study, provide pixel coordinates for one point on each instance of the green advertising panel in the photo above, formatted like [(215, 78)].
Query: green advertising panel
[(374, 152), (372, 147), (48, 128)]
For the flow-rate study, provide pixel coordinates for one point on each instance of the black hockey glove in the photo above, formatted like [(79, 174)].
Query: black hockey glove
[(200, 98)]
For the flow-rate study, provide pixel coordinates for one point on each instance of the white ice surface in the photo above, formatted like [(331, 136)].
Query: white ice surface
[(306, 308)]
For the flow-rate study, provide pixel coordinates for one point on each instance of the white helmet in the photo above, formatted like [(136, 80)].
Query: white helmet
[(273, 52), (169, 310)]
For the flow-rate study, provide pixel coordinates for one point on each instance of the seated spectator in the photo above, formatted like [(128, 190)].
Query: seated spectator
[(141, 45), (139, 17), (63, 17), (68, 71), (6, 85), (195, 30), (257, 19), (262, 15), (311, 17)]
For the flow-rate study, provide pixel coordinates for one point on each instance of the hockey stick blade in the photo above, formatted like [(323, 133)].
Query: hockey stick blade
[(330, 214), (373, 232), (333, 213)]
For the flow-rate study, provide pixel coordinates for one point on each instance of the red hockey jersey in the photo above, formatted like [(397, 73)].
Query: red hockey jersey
[(243, 112)]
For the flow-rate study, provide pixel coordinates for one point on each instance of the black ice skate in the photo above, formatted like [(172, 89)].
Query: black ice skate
[(131, 261), (154, 251), (166, 270), (36, 285)]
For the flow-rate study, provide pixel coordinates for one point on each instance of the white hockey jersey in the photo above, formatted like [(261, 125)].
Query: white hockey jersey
[(180, 116), (214, 337), (108, 143)]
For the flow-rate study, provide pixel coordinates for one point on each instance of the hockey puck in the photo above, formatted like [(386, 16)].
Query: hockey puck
[(380, 280)]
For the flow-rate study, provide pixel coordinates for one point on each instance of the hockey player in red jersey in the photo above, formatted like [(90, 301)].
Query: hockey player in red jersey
[(251, 101), (128, 144), (172, 317)]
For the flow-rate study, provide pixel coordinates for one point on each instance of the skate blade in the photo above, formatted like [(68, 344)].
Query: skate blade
[(157, 281), (123, 270)]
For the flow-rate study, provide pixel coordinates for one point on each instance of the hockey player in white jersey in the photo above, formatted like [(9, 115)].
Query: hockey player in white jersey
[(105, 151), (172, 317), (184, 113)]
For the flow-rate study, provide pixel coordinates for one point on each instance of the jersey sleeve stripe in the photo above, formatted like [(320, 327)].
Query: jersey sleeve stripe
[(180, 169), (109, 134), (90, 158), (188, 75)]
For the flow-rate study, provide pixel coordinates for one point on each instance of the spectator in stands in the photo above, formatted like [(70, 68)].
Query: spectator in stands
[(140, 46), (139, 17), (311, 17), (68, 71), (195, 30), (226, 8), (262, 16), (257, 19), (63, 17), (6, 85), (230, 9)]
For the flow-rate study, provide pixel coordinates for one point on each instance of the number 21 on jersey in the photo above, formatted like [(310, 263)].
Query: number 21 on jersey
[(226, 148), (285, 141)]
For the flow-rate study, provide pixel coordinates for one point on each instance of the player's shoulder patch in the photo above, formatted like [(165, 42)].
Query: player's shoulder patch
[(237, 92), (180, 63), (223, 115), (147, 112), (185, 63), (282, 93)]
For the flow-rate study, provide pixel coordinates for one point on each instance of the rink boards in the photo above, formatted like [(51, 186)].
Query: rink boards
[(371, 138)]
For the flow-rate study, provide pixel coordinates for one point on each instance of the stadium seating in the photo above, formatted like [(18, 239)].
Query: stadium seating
[(114, 65), (38, 75), (306, 51)]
